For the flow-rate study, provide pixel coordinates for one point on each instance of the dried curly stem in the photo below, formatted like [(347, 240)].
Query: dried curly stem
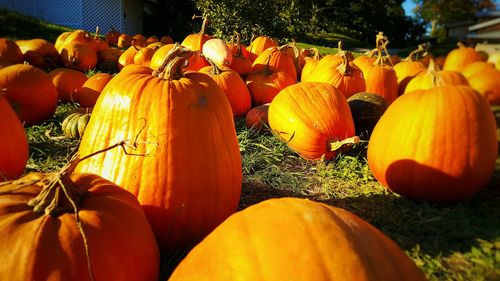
[(171, 68), (203, 24)]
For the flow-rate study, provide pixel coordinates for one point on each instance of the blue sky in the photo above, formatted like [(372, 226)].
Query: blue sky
[(408, 6)]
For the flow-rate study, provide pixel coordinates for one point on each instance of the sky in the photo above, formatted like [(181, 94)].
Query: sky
[(408, 6)]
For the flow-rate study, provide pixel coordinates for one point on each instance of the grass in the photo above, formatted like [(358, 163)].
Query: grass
[(456, 241)]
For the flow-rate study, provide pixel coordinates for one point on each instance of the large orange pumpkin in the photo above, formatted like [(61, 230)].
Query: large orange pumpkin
[(296, 239), (13, 141), (68, 83), (278, 58), (233, 86), (476, 67), (40, 232), (312, 118), (30, 92), (437, 144), (159, 56), (10, 52), (190, 178)]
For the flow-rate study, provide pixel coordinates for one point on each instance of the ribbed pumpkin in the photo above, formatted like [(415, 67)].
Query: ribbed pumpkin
[(241, 63), (278, 58), (10, 52), (325, 243), (138, 40), (68, 83), (60, 40), (13, 141), (39, 52), (190, 179), (427, 80), (144, 56), (312, 118), (78, 36), (195, 41), (425, 147), (29, 91), (233, 86), (460, 57), (39, 230), (365, 62), (334, 60), (476, 67), (218, 52), (78, 56), (124, 41), (381, 78), (310, 65), (159, 56), (409, 68), (259, 45), (346, 76), (257, 117), (92, 88), (127, 57), (152, 39), (196, 62), (108, 59), (487, 83), (264, 85)]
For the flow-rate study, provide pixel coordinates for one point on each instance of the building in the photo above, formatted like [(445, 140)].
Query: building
[(487, 28), (123, 15)]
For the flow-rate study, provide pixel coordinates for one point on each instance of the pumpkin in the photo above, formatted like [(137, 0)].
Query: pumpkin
[(476, 67), (127, 57), (240, 63), (310, 65), (346, 76), (124, 41), (487, 83), (79, 36), (196, 62), (108, 59), (165, 39), (313, 118), (73, 126), (381, 78), (366, 109), (78, 56), (144, 56), (10, 52), (68, 83), (60, 40), (39, 52), (112, 36), (278, 58), (138, 40), (257, 117), (13, 142), (423, 152), (152, 39), (159, 56), (100, 44), (365, 62), (409, 68), (233, 86), (218, 52), (190, 179), (427, 80), (460, 57), (334, 60), (195, 41), (324, 243), (63, 226), (264, 85), (259, 45), (29, 91), (92, 88)]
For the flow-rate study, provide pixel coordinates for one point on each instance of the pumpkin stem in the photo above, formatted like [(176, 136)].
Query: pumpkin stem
[(203, 24), (412, 56), (267, 68), (96, 32), (336, 145), (381, 42), (316, 54), (435, 72), (215, 70), (344, 68), (171, 68), (238, 44)]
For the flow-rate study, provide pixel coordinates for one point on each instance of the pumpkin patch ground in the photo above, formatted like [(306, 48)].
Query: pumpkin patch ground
[(289, 154)]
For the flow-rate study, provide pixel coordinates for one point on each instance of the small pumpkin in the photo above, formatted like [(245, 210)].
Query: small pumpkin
[(73, 126), (138, 40), (92, 88), (259, 45), (240, 63), (124, 41), (366, 109), (127, 57), (159, 56), (218, 52), (196, 41), (325, 243), (409, 68), (257, 117), (279, 59), (144, 56), (78, 56), (39, 52), (265, 84), (487, 83), (68, 83), (10, 52), (313, 118), (428, 79), (460, 57), (152, 39), (310, 64), (112, 36)]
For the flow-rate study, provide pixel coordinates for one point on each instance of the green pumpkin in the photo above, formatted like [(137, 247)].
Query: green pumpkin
[(366, 110), (74, 125)]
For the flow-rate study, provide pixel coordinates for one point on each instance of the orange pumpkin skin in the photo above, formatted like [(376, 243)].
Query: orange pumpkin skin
[(10, 52), (364, 63), (411, 153), (233, 86), (476, 67), (382, 80), (112, 37), (348, 79), (39, 52), (29, 91), (426, 80), (159, 56), (78, 56), (257, 117), (487, 83), (144, 56), (60, 40), (405, 71), (92, 88), (309, 68), (266, 84), (68, 83), (108, 59), (165, 39), (277, 58), (241, 65), (460, 57), (325, 243), (138, 40), (51, 248), (310, 115), (152, 39), (259, 45), (124, 41), (13, 142), (186, 184), (196, 62), (127, 57)]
